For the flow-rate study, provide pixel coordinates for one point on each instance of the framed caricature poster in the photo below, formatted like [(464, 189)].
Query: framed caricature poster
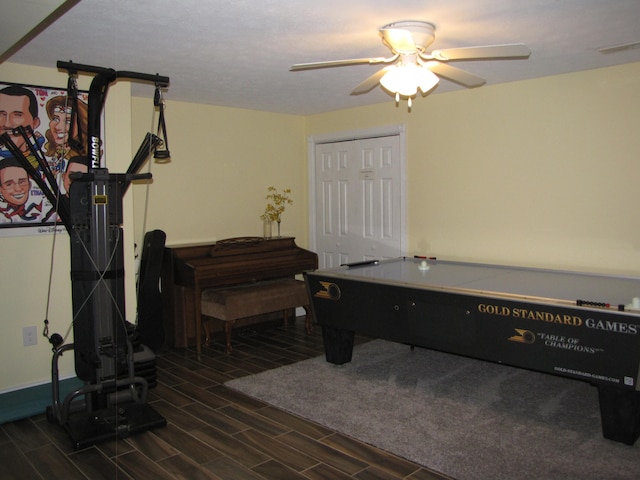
[(58, 130)]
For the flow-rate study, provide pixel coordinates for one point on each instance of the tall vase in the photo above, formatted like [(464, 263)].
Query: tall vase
[(266, 228), (278, 228)]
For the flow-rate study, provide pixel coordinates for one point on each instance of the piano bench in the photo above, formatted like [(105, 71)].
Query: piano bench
[(231, 304)]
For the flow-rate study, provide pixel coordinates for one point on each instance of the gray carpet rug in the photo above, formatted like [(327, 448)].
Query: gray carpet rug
[(465, 418)]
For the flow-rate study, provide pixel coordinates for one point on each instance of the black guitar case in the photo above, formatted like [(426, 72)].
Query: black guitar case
[(150, 326)]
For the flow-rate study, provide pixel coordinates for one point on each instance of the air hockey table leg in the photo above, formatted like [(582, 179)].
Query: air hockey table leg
[(338, 344), (620, 413)]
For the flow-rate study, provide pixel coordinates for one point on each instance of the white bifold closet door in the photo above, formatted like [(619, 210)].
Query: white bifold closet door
[(358, 200)]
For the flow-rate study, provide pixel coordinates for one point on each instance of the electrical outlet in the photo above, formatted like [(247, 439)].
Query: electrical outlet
[(29, 336)]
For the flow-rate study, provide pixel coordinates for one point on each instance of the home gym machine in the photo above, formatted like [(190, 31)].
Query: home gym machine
[(116, 373)]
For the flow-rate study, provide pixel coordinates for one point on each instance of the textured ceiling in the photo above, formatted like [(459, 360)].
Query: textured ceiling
[(237, 53)]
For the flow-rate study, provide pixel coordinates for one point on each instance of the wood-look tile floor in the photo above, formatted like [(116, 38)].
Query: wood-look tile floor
[(212, 432)]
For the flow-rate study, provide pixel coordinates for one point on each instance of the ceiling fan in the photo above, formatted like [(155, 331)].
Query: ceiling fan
[(412, 67)]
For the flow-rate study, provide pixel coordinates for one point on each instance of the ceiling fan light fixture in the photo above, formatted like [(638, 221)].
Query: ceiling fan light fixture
[(399, 80), (404, 80), (427, 80)]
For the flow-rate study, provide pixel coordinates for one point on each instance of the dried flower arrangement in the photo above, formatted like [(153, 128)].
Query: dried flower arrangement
[(277, 204)]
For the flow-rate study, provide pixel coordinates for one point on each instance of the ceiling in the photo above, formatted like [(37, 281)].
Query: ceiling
[(237, 53)]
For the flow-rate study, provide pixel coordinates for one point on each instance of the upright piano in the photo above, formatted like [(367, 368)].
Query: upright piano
[(189, 269)]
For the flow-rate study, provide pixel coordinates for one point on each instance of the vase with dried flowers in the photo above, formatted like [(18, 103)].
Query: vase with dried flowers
[(276, 205)]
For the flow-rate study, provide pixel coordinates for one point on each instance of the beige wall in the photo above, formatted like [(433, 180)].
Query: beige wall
[(541, 173), (222, 161)]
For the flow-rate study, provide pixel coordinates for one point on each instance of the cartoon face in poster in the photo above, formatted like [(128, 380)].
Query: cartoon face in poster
[(59, 129)]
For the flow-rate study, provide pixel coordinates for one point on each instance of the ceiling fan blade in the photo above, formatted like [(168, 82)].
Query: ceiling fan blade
[(399, 40), (371, 82), (516, 50), (339, 63), (619, 48), (455, 74)]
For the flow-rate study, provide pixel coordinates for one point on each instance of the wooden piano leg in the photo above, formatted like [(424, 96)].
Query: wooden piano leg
[(307, 319), (207, 335), (198, 317), (228, 326)]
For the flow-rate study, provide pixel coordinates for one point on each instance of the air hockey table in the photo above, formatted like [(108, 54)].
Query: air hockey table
[(576, 325)]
